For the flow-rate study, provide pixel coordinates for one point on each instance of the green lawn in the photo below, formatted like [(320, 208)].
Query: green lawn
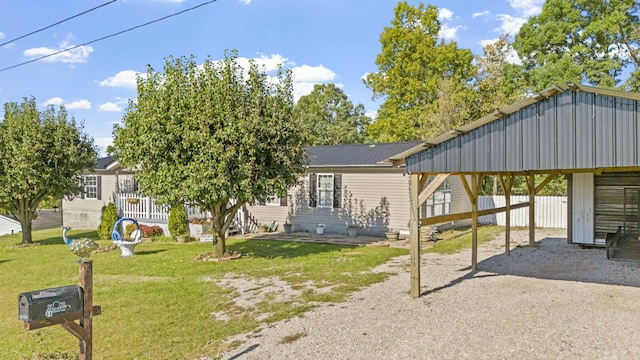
[(454, 240), (159, 303)]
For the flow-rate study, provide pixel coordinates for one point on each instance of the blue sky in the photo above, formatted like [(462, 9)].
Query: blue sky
[(322, 41)]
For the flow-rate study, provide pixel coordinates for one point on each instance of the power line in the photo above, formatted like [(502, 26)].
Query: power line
[(59, 22), (109, 36)]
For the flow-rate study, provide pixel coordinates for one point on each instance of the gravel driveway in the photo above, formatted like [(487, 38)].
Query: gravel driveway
[(552, 301)]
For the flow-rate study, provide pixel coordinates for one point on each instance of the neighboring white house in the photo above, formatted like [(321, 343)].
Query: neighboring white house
[(9, 226)]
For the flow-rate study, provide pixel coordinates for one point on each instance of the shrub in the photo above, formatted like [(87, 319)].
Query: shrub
[(147, 231), (107, 220), (177, 221)]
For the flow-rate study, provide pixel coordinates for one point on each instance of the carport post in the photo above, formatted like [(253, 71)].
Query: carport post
[(414, 234), (506, 189), (531, 187)]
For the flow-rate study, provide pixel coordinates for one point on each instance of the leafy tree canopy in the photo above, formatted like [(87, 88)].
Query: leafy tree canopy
[(582, 41), (499, 82), (212, 133), (413, 65), (41, 155), (330, 118)]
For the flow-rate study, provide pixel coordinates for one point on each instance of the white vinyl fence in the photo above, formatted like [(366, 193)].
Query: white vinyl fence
[(551, 211)]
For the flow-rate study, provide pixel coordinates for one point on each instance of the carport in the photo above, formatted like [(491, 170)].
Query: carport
[(587, 134)]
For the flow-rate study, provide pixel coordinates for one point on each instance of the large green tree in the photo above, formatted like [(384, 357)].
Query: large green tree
[(499, 82), (582, 41), (41, 155), (415, 69), (330, 118), (216, 135)]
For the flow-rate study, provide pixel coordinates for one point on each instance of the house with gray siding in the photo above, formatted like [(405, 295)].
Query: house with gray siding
[(355, 185), (344, 185), (99, 188)]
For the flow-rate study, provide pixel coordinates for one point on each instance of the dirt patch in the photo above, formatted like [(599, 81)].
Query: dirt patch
[(247, 293)]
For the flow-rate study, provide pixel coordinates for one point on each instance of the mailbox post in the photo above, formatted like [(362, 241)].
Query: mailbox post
[(61, 306)]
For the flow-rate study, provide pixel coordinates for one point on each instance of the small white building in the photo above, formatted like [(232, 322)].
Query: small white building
[(9, 226)]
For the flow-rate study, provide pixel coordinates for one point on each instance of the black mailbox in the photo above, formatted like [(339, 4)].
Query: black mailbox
[(49, 304)]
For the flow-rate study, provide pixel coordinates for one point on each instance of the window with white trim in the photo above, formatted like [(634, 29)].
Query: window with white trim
[(273, 201), (90, 187), (325, 191), (439, 203)]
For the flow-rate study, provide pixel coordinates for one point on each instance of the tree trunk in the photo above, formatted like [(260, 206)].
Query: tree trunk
[(26, 221), (219, 244), (222, 217)]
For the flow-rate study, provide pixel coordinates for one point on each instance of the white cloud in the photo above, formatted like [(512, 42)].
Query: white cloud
[(511, 58), (269, 63), (510, 25), (527, 7), (479, 14), (77, 55), (449, 33), (373, 114), (244, 2), (55, 101), (2, 35), (78, 104), (317, 74), (102, 143), (444, 14), (109, 107), (305, 77), (125, 79), (486, 42)]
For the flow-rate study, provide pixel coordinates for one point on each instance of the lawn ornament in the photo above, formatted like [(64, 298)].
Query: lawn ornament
[(126, 246), (81, 247)]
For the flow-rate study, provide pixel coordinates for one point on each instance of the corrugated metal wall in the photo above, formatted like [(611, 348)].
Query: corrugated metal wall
[(570, 130)]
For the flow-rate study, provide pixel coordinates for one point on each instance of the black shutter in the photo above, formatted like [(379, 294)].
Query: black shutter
[(99, 187), (337, 191), (312, 190), (283, 200)]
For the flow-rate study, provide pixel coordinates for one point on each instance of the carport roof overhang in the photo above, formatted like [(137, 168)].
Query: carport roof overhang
[(566, 128)]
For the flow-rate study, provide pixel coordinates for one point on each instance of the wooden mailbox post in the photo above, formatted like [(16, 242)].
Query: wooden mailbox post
[(62, 306)]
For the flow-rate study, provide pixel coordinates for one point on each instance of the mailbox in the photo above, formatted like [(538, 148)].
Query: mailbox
[(50, 304)]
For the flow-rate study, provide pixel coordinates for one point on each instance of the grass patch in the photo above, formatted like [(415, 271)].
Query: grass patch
[(452, 241), (162, 303), (292, 338)]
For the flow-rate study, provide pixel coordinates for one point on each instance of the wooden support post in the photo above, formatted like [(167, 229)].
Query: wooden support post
[(531, 186), (427, 191), (472, 192), (506, 185), (414, 234), (86, 283)]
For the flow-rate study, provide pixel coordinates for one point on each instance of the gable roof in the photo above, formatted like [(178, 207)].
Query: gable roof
[(565, 127), (351, 155), (357, 155), (105, 163)]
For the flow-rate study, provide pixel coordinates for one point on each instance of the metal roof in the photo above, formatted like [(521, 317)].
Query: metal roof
[(357, 155), (104, 163), (565, 127), (352, 155)]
